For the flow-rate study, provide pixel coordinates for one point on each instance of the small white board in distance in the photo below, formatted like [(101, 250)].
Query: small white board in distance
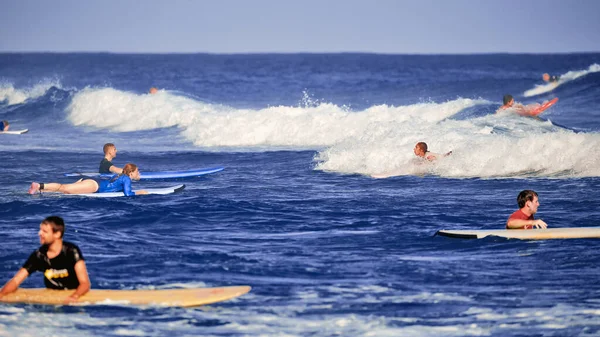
[(165, 190), (192, 297), (526, 234), (15, 132)]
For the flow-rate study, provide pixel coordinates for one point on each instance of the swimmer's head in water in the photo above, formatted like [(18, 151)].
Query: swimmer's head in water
[(546, 77)]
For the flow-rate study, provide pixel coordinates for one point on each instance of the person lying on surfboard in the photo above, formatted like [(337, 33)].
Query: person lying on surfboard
[(523, 218), (61, 262), (420, 150), (509, 103), (118, 183), (530, 110), (4, 125), (106, 165), (547, 78)]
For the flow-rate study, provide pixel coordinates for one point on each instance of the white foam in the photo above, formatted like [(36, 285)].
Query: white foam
[(516, 147), (566, 77), (376, 140), (211, 125), (13, 96)]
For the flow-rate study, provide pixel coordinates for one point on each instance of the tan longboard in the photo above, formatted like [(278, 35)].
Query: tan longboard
[(162, 297), (527, 234)]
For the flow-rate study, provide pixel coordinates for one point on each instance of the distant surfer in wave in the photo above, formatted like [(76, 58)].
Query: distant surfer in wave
[(523, 218), (420, 150), (547, 78), (509, 103), (4, 125), (153, 90), (61, 262), (531, 110), (118, 183), (106, 165)]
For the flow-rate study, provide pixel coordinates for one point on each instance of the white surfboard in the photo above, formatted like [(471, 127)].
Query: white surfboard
[(162, 297), (526, 234), (165, 190), (15, 132)]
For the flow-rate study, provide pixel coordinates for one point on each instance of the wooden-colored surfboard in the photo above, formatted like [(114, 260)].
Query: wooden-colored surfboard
[(161, 297)]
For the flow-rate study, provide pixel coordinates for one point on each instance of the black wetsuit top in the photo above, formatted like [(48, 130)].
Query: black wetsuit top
[(554, 78), (105, 165), (59, 272)]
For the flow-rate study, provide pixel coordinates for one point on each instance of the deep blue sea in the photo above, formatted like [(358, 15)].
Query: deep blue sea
[(327, 249)]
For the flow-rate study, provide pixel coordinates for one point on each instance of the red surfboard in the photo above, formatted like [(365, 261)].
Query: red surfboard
[(539, 109)]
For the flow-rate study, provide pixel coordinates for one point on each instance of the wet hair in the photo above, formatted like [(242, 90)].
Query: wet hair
[(525, 196), (128, 168), (107, 147), (422, 146), (57, 223), (507, 98)]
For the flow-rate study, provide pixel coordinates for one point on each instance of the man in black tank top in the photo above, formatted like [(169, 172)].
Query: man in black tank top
[(61, 262)]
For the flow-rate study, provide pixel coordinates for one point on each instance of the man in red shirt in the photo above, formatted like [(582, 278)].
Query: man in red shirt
[(523, 218)]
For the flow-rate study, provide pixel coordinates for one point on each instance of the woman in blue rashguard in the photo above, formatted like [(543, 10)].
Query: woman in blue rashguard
[(118, 183)]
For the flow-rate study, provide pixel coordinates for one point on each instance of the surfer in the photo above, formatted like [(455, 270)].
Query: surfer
[(106, 165), (4, 125), (523, 217), (118, 183), (153, 90), (531, 110), (61, 262), (420, 150), (547, 78), (509, 103)]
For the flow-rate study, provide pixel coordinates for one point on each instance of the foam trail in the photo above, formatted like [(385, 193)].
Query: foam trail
[(14, 96), (564, 78), (212, 125)]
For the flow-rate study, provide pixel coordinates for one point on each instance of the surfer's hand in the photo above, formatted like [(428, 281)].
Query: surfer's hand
[(72, 299), (539, 224)]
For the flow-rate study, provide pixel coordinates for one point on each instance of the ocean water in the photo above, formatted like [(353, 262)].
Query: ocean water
[(327, 249)]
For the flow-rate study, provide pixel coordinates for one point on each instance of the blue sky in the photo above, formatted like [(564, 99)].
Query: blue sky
[(286, 26)]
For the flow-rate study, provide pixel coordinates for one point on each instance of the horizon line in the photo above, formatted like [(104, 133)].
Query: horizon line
[(301, 52)]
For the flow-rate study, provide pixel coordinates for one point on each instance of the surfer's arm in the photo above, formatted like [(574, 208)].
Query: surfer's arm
[(84, 282), (14, 282), (525, 224), (140, 192), (115, 169), (127, 187)]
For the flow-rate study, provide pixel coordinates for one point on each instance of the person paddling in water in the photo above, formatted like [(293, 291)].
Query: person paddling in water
[(106, 165), (420, 150), (509, 103), (4, 125), (547, 78), (523, 218), (118, 183), (61, 262)]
